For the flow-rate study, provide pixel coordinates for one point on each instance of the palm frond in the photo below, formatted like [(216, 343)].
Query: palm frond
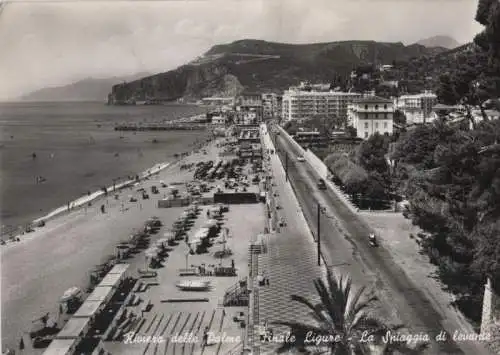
[(329, 301), (362, 306), (352, 304)]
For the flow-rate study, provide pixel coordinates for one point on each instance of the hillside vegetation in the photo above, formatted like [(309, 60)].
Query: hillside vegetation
[(265, 66)]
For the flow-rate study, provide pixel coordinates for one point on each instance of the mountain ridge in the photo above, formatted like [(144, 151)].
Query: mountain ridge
[(259, 65), (440, 41), (88, 89)]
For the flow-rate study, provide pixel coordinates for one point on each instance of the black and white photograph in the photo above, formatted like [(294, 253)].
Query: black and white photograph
[(250, 177)]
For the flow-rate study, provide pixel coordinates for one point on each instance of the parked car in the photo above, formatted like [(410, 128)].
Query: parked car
[(301, 159)]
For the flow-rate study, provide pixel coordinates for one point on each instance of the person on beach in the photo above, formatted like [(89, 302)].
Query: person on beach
[(205, 337)]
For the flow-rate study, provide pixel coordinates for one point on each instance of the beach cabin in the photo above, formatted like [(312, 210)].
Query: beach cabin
[(76, 329), (61, 347)]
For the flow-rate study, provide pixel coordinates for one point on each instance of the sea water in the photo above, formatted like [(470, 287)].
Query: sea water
[(74, 148)]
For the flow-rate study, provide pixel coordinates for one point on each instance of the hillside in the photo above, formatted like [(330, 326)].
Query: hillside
[(424, 72), (84, 90), (439, 41), (263, 66)]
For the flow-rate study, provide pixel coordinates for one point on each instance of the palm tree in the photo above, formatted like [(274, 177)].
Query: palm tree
[(343, 326)]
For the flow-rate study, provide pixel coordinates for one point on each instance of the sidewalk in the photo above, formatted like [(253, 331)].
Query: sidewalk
[(290, 263)]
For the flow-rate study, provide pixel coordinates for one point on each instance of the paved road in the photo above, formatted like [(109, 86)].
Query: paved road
[(344, 245)]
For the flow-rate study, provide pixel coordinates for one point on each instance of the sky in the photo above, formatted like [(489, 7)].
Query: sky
[(47, 43)]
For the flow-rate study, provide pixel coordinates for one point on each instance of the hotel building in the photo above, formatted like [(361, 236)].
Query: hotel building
[(300, 104), (370, 115)]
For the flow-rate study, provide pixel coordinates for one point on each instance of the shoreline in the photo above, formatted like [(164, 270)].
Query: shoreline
[(11, 237)]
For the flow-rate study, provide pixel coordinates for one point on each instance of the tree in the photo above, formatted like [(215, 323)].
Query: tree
[(341, 318), (446, 91), (399, 117), (351, 131)]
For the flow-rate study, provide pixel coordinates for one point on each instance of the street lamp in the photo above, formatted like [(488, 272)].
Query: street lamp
[(286, 166), (318, 240)]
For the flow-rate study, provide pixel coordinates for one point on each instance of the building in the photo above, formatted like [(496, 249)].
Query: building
[(371, 114), (385, 67), (218, 120), (269, 106), (417, 108), (300, 104), (249, 109), (311, 139), (478, 116)]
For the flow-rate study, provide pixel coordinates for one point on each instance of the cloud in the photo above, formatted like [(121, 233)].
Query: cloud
[(48, 44)]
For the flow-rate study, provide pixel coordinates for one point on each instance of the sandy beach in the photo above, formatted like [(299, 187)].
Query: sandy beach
[(37, 270)]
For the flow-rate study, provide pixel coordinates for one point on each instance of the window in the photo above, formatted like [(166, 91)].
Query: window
[(385, 115), (385, 124), (376, 124), (385, 107), (366, 124), (366, 115), (376, 107), (376, 115), (366, 134), (366, 107)]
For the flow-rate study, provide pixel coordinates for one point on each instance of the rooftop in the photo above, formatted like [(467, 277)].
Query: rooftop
[(119, 269), (60, 347), (101, 293), (374, 100), (88, 309), (74, 328)]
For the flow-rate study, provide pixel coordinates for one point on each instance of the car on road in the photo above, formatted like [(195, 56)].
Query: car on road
[(321, 184), (301, 159)]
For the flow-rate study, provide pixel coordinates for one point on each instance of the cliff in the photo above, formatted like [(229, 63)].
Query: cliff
[(256, 65)]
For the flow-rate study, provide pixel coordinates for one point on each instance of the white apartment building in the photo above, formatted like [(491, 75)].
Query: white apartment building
[(417, 108), (370, 115), (300, 104)]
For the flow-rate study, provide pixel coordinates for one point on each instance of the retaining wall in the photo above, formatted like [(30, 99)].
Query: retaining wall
[(317, 164), (490, 322)]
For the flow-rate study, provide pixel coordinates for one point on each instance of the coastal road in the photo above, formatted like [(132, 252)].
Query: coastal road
[(345, 248)]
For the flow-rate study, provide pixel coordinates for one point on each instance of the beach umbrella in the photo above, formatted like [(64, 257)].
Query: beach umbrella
[(70, 293)]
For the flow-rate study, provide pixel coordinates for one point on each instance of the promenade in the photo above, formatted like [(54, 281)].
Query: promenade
[(290, 262)]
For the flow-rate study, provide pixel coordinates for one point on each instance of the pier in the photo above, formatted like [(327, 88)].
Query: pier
[(166, 127)]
